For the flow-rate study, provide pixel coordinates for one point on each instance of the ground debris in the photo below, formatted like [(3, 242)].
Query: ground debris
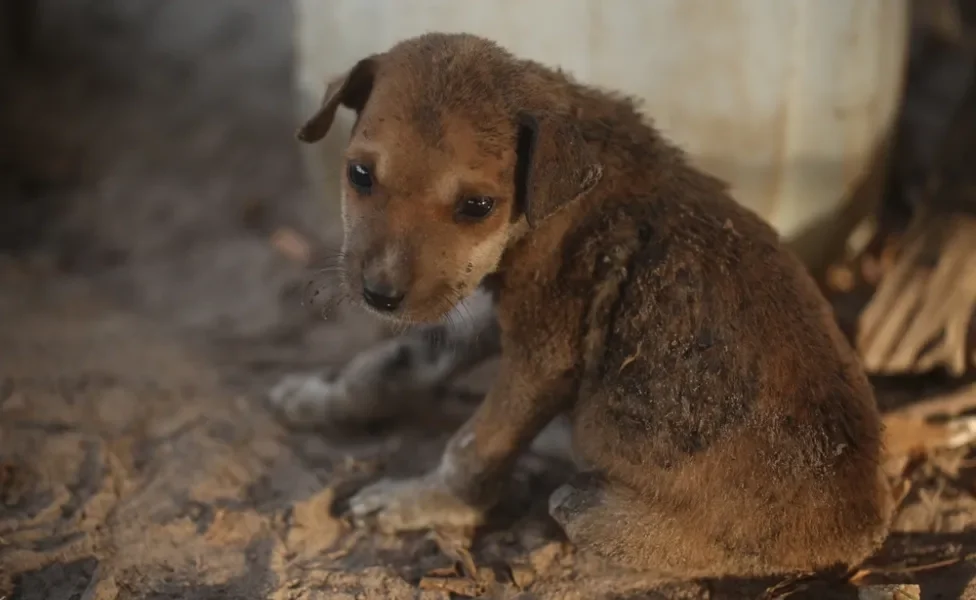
[(460, 586), (943, 421), (464, 578), (313, 529), (921, 315), (896, 591)]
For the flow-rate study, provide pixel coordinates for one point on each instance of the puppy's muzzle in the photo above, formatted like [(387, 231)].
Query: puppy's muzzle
[(381, 295), (385, 276)]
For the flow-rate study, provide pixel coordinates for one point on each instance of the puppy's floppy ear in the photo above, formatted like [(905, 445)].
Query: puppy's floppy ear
[(352, 90), (554, 166)]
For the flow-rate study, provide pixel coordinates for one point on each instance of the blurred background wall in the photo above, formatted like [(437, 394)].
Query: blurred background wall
[(791, 101)]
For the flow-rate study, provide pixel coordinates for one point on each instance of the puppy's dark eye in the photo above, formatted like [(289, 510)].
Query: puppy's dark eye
[(360, 177), (474, 208)]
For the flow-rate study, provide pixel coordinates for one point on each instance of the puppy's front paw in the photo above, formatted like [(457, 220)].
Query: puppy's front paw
[(579, 507), (307, 401), (413, 504)]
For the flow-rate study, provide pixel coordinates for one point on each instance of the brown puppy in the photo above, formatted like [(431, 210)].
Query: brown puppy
[(726, 425)]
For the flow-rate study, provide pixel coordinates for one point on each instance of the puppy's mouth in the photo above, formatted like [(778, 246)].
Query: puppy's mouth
[(344, 283), (403, 308)]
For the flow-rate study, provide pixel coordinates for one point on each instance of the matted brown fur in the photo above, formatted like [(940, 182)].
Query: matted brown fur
[(725, 425)]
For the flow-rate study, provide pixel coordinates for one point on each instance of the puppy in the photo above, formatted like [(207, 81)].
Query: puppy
[(724, 424)]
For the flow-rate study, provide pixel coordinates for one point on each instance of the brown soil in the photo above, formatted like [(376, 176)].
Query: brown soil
[(146, 158)]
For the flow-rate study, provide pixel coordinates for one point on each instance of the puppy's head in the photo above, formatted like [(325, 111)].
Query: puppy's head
[(457, 148)]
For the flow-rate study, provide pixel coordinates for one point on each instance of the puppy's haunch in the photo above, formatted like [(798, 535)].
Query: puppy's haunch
[(725, 425)]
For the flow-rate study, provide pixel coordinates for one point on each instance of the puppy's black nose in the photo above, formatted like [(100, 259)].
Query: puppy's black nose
[(381, 296)]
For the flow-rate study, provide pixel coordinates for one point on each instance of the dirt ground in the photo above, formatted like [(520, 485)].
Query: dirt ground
[(146, 156)]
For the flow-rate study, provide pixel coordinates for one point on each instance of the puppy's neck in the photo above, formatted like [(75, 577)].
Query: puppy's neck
[(638, 165), (530, 248)]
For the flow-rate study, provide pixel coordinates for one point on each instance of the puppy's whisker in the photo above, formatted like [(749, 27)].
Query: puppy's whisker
[(325, 291), (451, 324), (324, 264), (333, 269), (453, 334), (465, 320), (466, 310), (400, 326), (317, 284)]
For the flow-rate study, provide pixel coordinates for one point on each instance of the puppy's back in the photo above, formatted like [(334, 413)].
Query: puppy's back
[(723, 386)]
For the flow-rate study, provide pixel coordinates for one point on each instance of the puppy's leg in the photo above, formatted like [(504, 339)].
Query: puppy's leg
[(477, 459), (613, 522), (677, 539), (394, 376), (555, 441)]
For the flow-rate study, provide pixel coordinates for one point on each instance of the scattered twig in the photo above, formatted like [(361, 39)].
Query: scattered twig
[(452, 544), (789, 586), (469, 582), (920, 315), (631, 358), (866, 572), (919, 318), (932, 423), (347, 544), (901, 492)]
